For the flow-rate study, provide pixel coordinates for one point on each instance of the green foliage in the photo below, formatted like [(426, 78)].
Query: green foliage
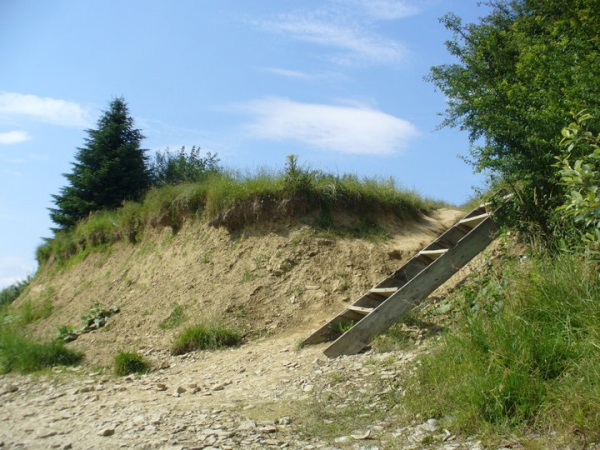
[(579, 169), (526, 363), (12, 292), (182, 167), (210, 336), (109, 169), (18, 353), (520, 72), (126, 363)]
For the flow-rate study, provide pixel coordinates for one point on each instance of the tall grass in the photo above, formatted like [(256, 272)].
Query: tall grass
[(230, 198), (534, 363), (21, 354), (205, 336)]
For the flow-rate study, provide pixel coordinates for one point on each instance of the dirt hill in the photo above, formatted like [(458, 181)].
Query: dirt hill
[(271, 278)]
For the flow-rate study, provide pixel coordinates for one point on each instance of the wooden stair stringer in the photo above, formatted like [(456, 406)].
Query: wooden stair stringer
[(417, 288)]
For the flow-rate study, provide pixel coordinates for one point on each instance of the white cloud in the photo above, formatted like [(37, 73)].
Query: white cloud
[(13, 269), (14, 137), (289, 73), (359, 44), (55, 111), (344, 129), (384, 9)]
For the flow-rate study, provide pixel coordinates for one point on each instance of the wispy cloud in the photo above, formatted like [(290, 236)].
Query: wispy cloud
[(383, 9), (289, 73), (14, 137), (50, 110), (344, 129), (356, 42), (13, 269)]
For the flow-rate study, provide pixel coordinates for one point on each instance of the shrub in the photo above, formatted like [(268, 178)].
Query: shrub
[(183, 167), (205, 337), (130, 362)]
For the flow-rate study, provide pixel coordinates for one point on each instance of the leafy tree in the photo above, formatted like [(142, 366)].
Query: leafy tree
[(109, 169), (182, 167), (521, 71), (580, 173)]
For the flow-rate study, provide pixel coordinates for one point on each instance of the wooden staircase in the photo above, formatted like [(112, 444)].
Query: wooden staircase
[(378, 309)]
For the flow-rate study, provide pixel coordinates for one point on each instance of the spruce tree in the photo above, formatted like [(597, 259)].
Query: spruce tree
[(110, 168)]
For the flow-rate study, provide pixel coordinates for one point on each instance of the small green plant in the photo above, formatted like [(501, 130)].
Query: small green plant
[(126, 363), (67, 333), (176, 318), (97, 316), (341, 326), (205, 337)]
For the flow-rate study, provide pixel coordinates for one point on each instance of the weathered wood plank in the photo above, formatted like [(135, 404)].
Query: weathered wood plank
[(400, 303)]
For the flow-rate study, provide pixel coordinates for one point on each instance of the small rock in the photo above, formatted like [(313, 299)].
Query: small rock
[(181, 390), (106, 432), (342, 439), (284, 421), (247, 425)]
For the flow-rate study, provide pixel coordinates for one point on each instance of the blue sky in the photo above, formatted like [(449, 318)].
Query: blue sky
[(337, 82)]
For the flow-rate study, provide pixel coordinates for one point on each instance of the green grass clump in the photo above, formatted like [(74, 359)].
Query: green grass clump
[(176, 318), (205, 337), (126, 363), (20, 354), (531, 363)]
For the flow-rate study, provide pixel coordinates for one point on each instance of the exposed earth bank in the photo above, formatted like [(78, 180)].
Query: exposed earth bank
[(276, 282)]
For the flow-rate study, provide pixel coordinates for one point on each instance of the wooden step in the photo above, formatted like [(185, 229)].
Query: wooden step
[(433, 254), (360, 309), (472, 222), (384, 291)]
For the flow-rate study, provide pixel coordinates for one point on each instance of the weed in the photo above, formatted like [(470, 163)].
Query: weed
[(126, 363), (249, 275), (176, 318), (28, 312), (205, 337), (341, 326)]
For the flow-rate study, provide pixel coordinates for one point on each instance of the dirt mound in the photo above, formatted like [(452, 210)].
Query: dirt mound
[(272, 277)]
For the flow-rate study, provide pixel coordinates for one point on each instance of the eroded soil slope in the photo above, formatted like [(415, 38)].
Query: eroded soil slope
[(268, 279)]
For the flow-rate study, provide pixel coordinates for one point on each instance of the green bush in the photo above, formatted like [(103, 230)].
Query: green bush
[(205, 337), (18, 353), (531, 362), (130, 362), (182, 167)]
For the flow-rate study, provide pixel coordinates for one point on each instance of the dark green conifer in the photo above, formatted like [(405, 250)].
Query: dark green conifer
[(109, 169)]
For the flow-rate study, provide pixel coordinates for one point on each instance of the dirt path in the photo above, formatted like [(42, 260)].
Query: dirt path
[(265, 394)]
